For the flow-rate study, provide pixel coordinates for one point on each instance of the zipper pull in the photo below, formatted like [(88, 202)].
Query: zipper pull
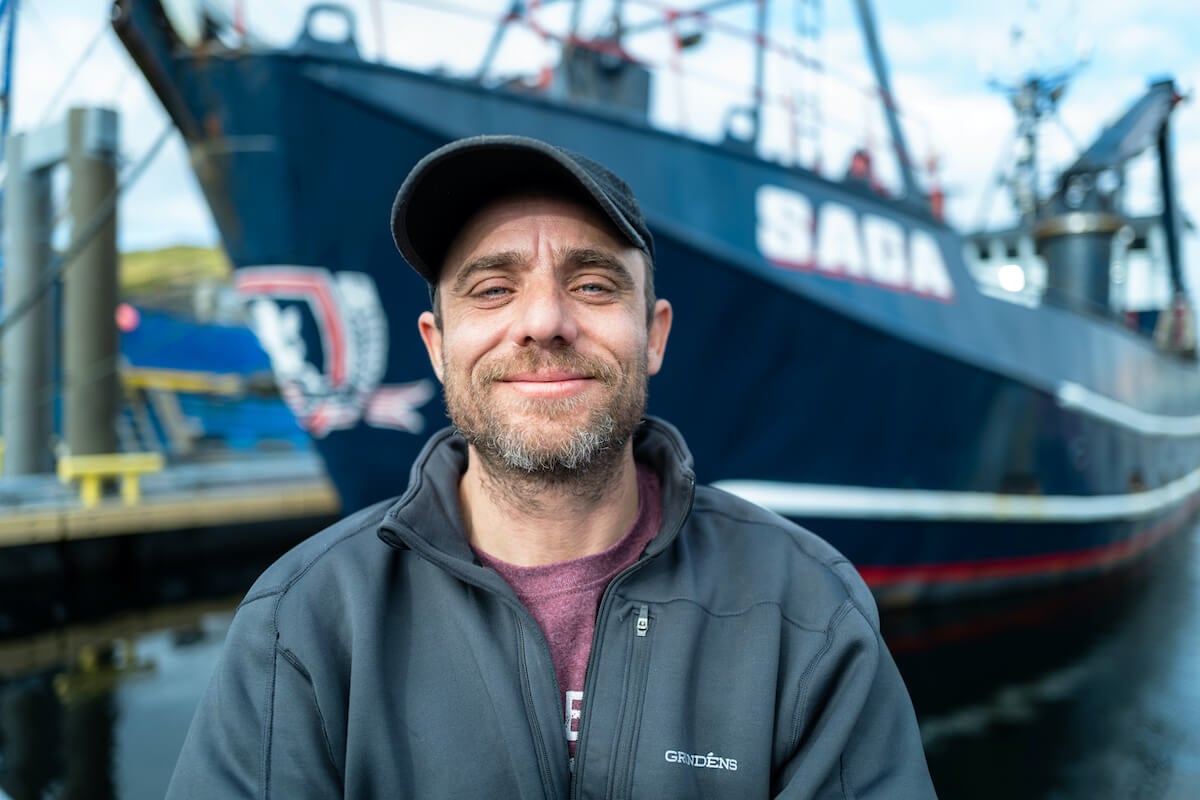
[(643, 621)]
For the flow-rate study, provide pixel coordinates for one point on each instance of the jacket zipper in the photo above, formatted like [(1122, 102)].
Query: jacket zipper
[(630, 722), (539, 741), (593, 657)]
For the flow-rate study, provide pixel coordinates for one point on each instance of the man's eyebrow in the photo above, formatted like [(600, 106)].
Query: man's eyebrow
[(590, 257), (491, 261)]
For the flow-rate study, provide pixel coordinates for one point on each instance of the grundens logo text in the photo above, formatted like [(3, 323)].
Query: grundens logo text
[(710, 761)]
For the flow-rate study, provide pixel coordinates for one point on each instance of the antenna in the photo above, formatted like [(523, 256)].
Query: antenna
[(1034, 93)]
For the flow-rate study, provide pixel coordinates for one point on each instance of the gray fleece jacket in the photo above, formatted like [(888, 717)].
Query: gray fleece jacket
[(740, 657)]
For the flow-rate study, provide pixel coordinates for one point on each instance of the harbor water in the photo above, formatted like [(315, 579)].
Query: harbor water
[(1088, 692)]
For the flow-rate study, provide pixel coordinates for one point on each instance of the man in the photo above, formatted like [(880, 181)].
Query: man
[(552, 609)]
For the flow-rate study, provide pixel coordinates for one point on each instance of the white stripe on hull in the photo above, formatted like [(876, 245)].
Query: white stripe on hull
[(1077, 398), (865, 502)]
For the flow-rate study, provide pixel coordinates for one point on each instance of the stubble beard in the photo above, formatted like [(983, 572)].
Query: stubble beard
[(523, 448)]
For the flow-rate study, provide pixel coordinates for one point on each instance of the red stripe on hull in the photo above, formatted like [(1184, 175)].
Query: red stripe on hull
[(1060, 563)]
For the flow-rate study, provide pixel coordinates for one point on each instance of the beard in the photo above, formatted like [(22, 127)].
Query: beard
[(556, 439)]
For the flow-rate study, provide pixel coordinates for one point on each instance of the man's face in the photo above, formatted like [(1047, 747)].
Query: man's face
[(544, 349)]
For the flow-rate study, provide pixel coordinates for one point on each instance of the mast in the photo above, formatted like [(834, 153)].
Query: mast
[(760, 67), (866, 21), (1027, 100)]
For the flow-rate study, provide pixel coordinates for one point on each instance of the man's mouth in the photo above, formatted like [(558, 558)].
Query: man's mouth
[(546, 376), (547, 383)]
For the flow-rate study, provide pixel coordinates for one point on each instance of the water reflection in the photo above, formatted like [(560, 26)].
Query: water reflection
[(105, 649), (29, 722), (1088, 692), (98, 712)]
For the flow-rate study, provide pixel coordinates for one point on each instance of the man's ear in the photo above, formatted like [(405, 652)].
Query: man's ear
[(431, 335), (656, 342)]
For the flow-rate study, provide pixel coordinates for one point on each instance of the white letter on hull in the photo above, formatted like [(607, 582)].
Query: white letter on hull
[(785, 224), (838, 247), (929, 274), (886, 254)]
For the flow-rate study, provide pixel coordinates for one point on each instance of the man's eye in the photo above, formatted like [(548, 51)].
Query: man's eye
[(593, 288), (491, 292)]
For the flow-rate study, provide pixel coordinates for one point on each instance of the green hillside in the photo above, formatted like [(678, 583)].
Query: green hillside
[(171, 268)]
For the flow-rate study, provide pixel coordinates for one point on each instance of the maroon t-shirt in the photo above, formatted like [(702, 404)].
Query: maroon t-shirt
[(565, 597)]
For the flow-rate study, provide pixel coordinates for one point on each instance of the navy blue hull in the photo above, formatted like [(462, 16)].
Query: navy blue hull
[(946, 441)]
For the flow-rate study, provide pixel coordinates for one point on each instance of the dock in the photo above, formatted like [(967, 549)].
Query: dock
[(169, 433), (231, 489)]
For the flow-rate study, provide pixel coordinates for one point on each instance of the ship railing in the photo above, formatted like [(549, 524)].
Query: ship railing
[(717, 77)]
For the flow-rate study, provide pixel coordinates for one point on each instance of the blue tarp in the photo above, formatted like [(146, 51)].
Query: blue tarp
[(163, 341)]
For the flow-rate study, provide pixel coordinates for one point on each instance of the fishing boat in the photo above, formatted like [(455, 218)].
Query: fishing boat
[(835, 356)]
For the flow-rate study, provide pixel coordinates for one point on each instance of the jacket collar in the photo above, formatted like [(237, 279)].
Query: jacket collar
[(427, 518)]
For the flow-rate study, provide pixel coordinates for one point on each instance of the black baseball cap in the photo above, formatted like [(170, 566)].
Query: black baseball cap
[(455, 181)]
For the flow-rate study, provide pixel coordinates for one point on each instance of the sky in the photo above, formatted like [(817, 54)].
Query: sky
[(943, 56)]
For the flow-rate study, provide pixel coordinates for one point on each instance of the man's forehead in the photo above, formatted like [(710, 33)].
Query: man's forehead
[(514, 211)]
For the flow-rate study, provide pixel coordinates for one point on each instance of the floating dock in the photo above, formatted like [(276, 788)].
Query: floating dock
[(228, 490)]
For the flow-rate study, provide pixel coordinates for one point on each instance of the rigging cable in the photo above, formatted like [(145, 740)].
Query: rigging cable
[(1067, 132), (73, 72), (998, 178)]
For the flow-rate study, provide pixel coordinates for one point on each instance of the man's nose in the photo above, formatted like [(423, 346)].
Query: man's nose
[(544, 315)]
